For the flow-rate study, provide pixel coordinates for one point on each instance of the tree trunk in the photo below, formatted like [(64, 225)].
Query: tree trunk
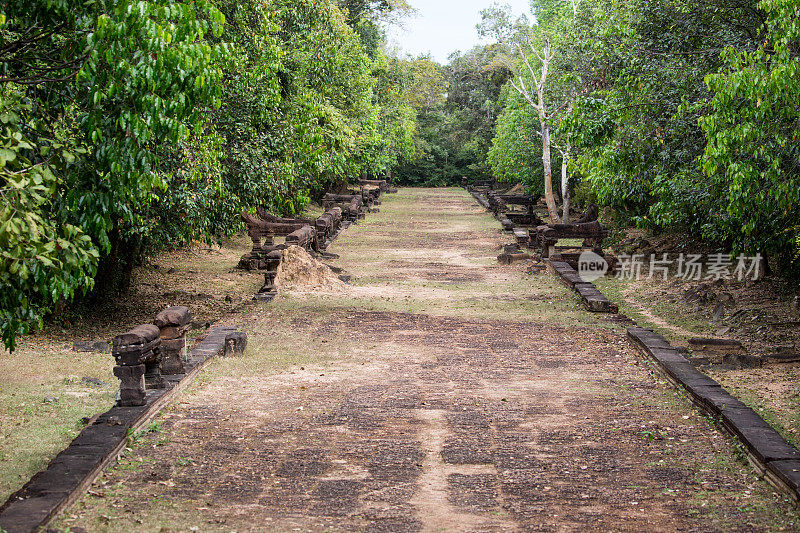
[(545, 57), (565, 188), (552, 208)]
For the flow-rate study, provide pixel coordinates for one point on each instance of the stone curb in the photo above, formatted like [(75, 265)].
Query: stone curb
[(481, 199), (767, 450), (73, 470), (593, 300)]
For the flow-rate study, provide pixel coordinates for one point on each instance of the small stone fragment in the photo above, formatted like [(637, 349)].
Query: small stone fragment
[(235, 343), (93, 382)]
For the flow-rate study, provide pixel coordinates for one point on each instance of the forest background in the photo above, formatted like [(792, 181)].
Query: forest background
[(127, 127)]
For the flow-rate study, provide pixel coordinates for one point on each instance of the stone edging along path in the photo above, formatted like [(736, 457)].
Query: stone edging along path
[(593, 300), (73, 470), (767, 451)]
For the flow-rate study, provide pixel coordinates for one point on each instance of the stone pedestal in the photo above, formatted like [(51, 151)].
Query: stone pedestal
[(131, 385), (272, 261), (173, 322), (138, 356), (235, 343)]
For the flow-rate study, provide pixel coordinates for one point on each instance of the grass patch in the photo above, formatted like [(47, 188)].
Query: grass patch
[(42, 395), (624, 292), (42, 402)]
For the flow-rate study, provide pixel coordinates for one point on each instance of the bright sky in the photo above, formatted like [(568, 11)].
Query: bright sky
[(443, 26)]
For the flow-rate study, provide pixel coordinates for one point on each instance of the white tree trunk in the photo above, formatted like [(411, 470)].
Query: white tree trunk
[(565, 188), (552, 208), (538, 105)]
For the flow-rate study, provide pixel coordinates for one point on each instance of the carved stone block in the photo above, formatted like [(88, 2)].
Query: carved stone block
[(235, 343), (173, 323), (173, 353), (131, 385), (141, 346)]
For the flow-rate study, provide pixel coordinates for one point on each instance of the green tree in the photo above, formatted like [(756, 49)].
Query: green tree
[(516, 154), (474, 85), (457, 106), (43, 260), (94, 88), (635, 121), (752, 156), (421, 84)]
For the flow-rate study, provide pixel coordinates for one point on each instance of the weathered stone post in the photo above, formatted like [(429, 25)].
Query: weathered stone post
[(173, 322), (272, 262), (137, 353), (235, 343)]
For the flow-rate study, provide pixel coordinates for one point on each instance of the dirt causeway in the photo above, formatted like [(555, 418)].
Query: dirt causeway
[(440, 392)]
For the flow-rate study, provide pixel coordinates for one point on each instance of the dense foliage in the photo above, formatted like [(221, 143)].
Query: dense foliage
[(678, 115), (752, 158), (132, 125), (128, 125), (89, 90), (456, 113)]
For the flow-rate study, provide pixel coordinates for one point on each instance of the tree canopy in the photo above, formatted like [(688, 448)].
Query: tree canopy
[(680, 115), (129, 126)]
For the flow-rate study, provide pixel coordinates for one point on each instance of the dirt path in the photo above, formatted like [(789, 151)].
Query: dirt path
[(653, 318), (441, 393)]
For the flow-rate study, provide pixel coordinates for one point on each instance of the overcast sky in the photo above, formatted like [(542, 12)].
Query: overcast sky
[(443, 26)]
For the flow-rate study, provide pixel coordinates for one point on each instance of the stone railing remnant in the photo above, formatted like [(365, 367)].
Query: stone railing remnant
[(138, 356), (383, 185), (352, 205), (173, 322), (592, 234)]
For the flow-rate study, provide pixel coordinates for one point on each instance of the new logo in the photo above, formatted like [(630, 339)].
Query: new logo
[(591, 266)]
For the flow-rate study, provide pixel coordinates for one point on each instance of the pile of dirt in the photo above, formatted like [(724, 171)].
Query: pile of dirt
[(300, 272)]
